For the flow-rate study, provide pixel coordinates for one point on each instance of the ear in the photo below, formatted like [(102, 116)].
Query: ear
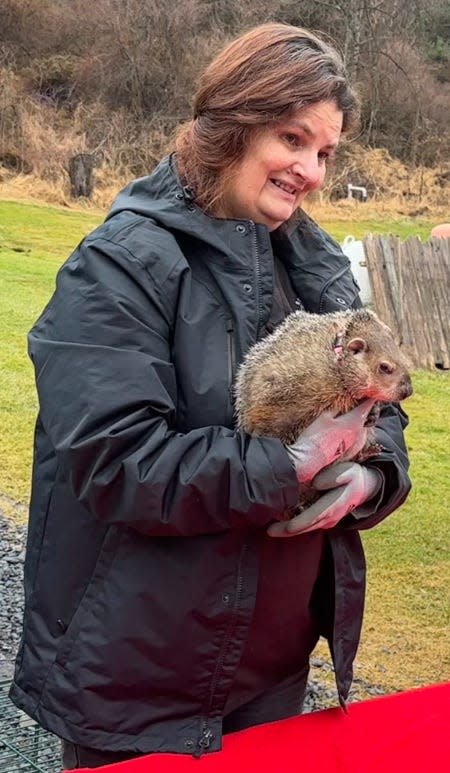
[(357, 345)]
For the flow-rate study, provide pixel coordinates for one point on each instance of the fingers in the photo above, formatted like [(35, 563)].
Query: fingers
[(346, 486), (325, 513), (337, 474), (358, 414), (366, 406)]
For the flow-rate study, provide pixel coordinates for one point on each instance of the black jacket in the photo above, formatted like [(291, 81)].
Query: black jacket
[(147, 506)]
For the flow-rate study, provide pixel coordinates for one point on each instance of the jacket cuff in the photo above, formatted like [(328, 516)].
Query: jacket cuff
[(280, 477), (372, 505), (397, 486)]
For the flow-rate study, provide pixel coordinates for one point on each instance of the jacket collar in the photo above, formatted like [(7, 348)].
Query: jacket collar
[(312, 258), (162, 197)]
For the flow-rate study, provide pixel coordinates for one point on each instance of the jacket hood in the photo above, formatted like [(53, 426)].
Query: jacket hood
[(162, 197), (307, 251)]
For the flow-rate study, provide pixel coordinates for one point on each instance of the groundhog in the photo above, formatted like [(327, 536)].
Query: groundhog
[(314, 363)]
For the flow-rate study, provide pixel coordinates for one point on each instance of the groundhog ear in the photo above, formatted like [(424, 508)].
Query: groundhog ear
[(357, 345)]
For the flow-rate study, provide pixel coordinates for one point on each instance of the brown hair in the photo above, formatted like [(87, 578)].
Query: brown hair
[(259, 78)]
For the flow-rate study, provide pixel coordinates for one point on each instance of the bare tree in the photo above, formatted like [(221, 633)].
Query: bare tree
[(127, 68)]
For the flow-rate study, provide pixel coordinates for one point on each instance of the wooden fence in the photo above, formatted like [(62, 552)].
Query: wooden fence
[(410, 284)]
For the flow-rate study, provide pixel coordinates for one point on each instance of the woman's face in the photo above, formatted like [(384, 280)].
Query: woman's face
[(282, 164)]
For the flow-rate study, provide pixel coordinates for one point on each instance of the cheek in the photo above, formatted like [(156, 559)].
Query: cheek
[(320, 178), (279, 163), (248, 197)]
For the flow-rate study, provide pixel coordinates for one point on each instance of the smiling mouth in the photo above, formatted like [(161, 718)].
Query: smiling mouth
[(284, 187)]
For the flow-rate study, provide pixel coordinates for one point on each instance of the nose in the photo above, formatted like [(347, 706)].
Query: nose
[(309, 169), (406, 388)]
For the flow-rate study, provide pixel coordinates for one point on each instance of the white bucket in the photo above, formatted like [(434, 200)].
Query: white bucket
[(355, 252)]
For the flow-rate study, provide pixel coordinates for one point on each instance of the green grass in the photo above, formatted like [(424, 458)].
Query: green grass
[(401, 228), (420, 531), (34, 241), (407, 621), (405, 638), (41, 231)]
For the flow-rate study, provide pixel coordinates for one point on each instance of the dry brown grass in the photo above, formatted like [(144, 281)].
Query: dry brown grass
[(432, 206), (43, 139), (389, 207), (395, 189), (33, 189)]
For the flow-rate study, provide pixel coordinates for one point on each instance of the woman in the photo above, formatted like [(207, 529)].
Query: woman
[(160, 612)]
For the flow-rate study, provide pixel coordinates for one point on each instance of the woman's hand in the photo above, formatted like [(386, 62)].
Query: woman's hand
[(347, 484), (328, 438)]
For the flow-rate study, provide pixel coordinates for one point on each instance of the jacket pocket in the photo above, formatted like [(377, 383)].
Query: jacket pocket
[(43, 494), (32, 562), (91, 598), (340, 292)]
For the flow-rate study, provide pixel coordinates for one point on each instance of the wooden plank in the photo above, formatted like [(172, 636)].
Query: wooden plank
[(413, 249), (434, 318), (398, 293), (439, 273), (415, 305), (410, 285), (371, 260), (375, 265), (388, 248), (407, 341)]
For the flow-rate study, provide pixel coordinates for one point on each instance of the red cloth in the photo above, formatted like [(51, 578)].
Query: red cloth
[(407, 732)]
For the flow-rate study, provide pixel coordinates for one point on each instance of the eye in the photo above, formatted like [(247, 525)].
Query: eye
[(327, 155), (291, 139), (386, 367)]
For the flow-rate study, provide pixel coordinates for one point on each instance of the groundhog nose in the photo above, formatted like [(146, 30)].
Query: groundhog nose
[(406, 388)]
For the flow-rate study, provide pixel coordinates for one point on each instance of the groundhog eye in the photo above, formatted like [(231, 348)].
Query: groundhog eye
[(386, 368)]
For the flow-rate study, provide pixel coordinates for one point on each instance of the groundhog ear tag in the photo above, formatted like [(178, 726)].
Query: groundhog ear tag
[(357, 345), (338, 343)]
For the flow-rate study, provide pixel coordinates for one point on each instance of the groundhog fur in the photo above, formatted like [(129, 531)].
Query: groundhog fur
[(319, 362)]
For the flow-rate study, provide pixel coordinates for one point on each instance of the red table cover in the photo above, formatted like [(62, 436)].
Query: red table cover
[(406, 732)]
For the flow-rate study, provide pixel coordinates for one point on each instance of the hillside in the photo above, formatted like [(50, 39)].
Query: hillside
[(115, 80)]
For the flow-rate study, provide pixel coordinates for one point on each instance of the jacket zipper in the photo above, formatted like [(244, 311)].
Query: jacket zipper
[(231, 365), (204, 741), (206, 735), (257, 276), (325, 287), (343, 703)]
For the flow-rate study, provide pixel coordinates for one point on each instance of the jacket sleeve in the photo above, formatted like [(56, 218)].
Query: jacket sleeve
[(107, 395), (392, 462)]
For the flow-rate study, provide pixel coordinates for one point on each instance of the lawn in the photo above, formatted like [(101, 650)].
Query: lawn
[(405, 637), (401, 228)]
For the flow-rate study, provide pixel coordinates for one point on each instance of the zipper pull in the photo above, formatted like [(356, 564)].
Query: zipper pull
[(188, 193), (204, 742), (343, 703)]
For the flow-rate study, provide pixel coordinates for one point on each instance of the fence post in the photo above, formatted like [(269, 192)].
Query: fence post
[(80, 171)]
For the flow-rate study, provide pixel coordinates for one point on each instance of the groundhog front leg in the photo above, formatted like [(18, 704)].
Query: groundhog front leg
[(371, 448), (373, 415), (367, 452)]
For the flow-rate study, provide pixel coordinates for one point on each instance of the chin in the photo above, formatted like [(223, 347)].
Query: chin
[(275, 219)]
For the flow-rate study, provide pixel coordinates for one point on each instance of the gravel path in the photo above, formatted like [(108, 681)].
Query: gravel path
[(12, 553)]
